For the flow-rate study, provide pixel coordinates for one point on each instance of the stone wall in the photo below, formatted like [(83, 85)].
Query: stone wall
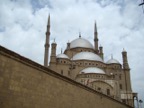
[(26, 84)]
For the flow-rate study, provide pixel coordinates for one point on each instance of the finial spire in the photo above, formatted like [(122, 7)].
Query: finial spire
[(111, 56), (124, 50), (79, 34), (61, 50)]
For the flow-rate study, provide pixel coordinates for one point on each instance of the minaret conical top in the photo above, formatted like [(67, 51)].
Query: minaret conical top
[(48, 20), (95, 27)]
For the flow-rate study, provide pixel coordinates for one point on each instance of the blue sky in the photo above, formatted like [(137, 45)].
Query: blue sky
[(120, 25)]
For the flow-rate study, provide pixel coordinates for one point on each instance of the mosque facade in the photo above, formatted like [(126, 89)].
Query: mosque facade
[(84, 63)]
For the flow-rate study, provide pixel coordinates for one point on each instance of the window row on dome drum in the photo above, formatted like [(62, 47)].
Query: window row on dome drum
[(92, 76), (63, 61), (89, 64), (114, 66)]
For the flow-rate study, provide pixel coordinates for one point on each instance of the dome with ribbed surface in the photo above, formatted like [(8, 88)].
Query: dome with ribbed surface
[(113, 61), (80, 42), (86, 56), (62, 56), (92, 70)]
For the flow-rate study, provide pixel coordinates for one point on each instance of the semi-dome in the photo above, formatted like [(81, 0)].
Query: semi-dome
[(113, 61), (92, 70), (80, 42), (62, 56), (86, 56)]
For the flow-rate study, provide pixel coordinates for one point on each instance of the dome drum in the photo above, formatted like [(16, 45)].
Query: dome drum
[(80, 49)]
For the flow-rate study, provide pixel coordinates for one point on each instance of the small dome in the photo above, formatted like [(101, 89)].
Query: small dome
[(92, 70), (87, 56), (62, 56), (113, 61), (80, 42)]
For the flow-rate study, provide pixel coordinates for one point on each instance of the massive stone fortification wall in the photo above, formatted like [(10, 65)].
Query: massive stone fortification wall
[(26, 84)]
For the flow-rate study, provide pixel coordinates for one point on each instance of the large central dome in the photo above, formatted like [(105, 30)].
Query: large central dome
[(87, 56), (80, 42)]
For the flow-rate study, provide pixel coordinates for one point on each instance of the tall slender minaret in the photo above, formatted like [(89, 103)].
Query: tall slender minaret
[(126, 70), (96, 38), (46, 54), (125, 61), (101, 52), (53, 56)]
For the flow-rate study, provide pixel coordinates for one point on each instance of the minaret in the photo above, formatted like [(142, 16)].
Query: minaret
[(53, 56), (95, 38), (101, 52), (68, 45), (53, 53), (46, 54), (125, 61), (126, 71)]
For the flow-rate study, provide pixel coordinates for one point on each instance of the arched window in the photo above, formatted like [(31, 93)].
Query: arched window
[(99, 89), (68, 73), (120, 86), (108, 91), (120, 77), (62, 72), (113, 76)]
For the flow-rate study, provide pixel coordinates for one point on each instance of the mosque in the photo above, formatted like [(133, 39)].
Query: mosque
[(84, 62)]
